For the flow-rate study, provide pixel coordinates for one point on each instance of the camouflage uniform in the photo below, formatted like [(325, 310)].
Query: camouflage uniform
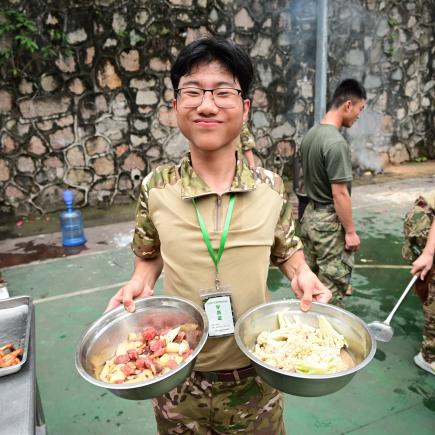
[(323, 237), (262, 230), (416, 227), (247, 141), (249, 406)]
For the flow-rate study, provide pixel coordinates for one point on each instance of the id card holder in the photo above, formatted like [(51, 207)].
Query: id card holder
[(218, 306)]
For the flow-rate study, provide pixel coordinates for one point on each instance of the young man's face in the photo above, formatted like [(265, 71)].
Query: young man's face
[(352, 112), (209, 127)]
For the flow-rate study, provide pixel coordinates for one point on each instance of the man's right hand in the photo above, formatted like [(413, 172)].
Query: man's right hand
[(352, 241), (132, 290)]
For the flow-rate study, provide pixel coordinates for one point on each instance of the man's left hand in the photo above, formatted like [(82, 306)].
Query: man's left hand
[(307, 287)]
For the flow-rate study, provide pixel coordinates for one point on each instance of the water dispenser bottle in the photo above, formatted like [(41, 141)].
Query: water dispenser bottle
[(71, 223)]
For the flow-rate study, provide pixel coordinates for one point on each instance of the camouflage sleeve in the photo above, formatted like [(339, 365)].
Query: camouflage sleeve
[(246, 138), (146, 243), (416, 227), (286, 242)]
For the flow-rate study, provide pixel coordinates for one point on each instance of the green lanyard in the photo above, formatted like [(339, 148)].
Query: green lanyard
[(216, 259)]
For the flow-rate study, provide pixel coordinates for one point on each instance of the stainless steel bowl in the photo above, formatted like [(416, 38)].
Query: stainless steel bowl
[(362, 345), (99, 342)]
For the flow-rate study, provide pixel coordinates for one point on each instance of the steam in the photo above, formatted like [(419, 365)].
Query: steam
[(367, 141)]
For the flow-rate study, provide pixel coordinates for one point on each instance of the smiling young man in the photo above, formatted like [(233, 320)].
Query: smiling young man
[(327, 228), (185, 212)]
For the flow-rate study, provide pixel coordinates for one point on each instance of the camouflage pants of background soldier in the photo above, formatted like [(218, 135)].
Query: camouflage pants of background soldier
[(416, 227), (323, 238), (428, 344), (200, 407)]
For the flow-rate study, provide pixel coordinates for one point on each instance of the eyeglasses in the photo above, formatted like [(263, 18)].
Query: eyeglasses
[(224, 98)]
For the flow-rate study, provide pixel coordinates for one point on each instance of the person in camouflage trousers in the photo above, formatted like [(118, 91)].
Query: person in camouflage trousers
[(249, 406), (323, 237), (211, 200), (328, 230), (419, 249)]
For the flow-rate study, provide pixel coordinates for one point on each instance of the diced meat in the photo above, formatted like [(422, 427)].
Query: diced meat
[(156, 345), (148, 334), (171, 364), (133, 354), (122, 359), (141, 363), (127, 370), (159, 352)]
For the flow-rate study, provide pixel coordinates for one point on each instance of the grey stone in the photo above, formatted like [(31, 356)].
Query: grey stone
[(283, 131), (119, 106), (262, 47), (61, 138), (6, 101), (398, 154), (383, 28), (49, 83), (130, 60), (112, 129), (119, 23), (97, 145), (411, 87), (265, 74), (92, 107), (397, 74), (355, 57), (372, 82), (25, 164), (36, 147), (66, 64), (176, 146), (78, 177), (133, 161), (25, 87), (148, 98), (259, 119), (104, 165), (50, 198), (5, 173), (138, 141), (243, 20), (37, 107), (75, 156), (77, 36)]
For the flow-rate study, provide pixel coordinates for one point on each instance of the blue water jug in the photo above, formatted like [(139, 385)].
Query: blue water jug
[(71, 223)]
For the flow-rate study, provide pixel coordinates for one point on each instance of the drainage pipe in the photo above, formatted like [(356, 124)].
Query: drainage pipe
[(321, 60)]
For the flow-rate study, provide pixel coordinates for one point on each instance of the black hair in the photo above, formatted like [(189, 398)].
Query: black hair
[(206, 50), (348, 89)]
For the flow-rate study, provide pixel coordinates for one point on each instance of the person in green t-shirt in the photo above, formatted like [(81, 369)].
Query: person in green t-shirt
[(327, 228)]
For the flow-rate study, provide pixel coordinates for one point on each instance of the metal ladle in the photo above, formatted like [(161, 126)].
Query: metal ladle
[(382, 330)]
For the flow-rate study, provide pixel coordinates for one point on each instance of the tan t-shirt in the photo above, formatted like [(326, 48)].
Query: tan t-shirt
[(262, 228)]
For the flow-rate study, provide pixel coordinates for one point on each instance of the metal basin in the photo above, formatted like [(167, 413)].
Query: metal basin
[(362, 345), (99, 343)]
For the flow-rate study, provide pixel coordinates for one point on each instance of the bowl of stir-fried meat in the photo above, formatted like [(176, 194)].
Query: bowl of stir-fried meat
[(311, 353), (146, 353)]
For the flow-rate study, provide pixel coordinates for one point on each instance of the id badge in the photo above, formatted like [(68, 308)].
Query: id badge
[(219, 309)]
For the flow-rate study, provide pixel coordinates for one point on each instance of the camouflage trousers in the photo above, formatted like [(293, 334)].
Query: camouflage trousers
[(323, 238), (200, 407), (428, 344)]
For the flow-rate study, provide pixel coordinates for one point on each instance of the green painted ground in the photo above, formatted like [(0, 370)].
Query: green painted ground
[(390, 396)]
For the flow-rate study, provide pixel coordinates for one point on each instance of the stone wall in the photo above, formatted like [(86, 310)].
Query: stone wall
[(98, 118)]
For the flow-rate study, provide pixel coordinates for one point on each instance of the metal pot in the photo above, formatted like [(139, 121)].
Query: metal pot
[(99, 342), (362, 345)]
